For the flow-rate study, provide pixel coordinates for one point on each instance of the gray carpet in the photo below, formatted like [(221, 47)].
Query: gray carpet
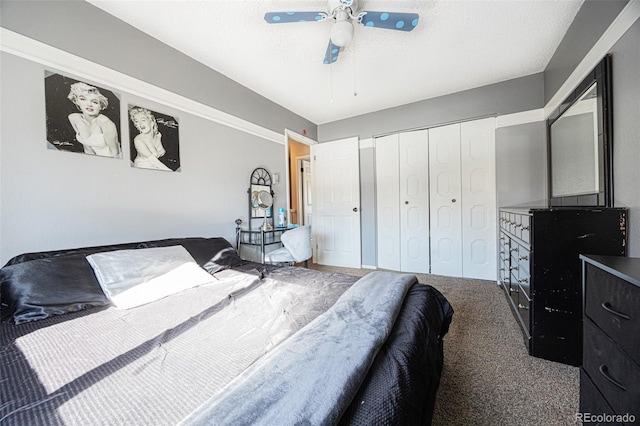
[(488, 377)]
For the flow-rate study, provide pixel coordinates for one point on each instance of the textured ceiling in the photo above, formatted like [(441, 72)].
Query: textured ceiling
[(457, 45)]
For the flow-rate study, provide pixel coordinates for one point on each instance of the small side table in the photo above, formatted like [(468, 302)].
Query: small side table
[(258, 238)]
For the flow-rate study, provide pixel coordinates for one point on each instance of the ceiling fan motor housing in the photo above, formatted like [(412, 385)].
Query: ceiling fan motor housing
[(334, 5)]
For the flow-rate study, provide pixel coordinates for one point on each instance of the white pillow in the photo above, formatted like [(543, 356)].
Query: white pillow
[(131, 278)]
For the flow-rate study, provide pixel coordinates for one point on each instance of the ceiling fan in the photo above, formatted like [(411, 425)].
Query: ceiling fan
[(344, 13)]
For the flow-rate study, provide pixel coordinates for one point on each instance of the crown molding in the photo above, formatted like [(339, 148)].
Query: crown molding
[(518, 118), (49, 56)]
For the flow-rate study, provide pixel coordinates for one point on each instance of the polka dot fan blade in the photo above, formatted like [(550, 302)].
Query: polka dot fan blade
[(389, 20), (286, 17)]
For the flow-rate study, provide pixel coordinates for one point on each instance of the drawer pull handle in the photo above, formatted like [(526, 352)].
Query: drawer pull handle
[(605, 372), (607, 307)]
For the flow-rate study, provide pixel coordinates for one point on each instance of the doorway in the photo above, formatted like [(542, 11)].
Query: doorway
[(298, 178)]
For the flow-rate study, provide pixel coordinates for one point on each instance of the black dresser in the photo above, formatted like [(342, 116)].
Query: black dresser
[(540, 270), (610, 373)]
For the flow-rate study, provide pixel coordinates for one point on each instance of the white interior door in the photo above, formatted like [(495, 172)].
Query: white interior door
[(388, 202), (336, 211), (477, 153), (445, 195), (414, 201)]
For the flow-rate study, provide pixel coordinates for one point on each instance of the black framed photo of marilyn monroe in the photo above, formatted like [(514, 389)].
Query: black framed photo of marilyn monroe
[(81, 117), (154, 139)]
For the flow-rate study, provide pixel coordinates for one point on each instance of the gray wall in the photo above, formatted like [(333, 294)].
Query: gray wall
[(591, 21), (517, 95), (51, 199), (626, 130), (520, 165), (86, 31)]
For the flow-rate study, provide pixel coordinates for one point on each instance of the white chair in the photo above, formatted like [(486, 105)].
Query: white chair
[(297, 247)]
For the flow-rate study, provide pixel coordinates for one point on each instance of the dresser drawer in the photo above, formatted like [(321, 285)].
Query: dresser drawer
[(520, 227), (524, 308), (612, 372), (612, 304), (524, 276), (591, 401), (525, 228)]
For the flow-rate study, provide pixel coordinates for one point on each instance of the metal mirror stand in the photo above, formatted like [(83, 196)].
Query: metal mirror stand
[(260, 181)]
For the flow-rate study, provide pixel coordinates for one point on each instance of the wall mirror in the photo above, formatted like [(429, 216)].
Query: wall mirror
[(260, 196), (579, 135)]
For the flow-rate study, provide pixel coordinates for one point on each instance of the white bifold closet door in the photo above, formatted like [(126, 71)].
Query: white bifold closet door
[(446, 206), (463, 199), (402, 194)]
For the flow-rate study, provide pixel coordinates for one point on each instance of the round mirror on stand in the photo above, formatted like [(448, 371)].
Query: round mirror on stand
[(263, 200)]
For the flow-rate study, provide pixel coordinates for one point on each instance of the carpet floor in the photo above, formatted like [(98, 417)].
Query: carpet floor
[(488, 376)]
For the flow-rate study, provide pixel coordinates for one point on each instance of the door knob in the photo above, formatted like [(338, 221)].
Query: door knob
[(406, 202), (453, 200), (355, 209)]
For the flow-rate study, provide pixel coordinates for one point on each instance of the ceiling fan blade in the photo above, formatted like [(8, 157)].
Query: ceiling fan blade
[(389, 20), (284, 17), (332, 53)]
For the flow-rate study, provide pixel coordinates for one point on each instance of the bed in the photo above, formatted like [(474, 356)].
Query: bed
[(245, 343)]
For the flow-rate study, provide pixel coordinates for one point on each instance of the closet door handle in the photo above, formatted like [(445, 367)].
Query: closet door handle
[(453, 200), (605, 372), (607, 307)]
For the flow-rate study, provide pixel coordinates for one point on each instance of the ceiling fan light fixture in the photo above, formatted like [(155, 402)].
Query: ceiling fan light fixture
[(342, 33)]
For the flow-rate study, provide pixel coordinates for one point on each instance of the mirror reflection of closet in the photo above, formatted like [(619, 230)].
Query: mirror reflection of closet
[(260, 197)]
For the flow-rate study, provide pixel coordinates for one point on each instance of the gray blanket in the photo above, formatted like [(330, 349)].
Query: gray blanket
[(312, 377), (155, 364)]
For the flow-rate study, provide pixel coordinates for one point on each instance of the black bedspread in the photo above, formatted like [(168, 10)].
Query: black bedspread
[(155, 364), (401, 385)]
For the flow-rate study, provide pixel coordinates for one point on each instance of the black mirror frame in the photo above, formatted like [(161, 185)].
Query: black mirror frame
[(601, 75)]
